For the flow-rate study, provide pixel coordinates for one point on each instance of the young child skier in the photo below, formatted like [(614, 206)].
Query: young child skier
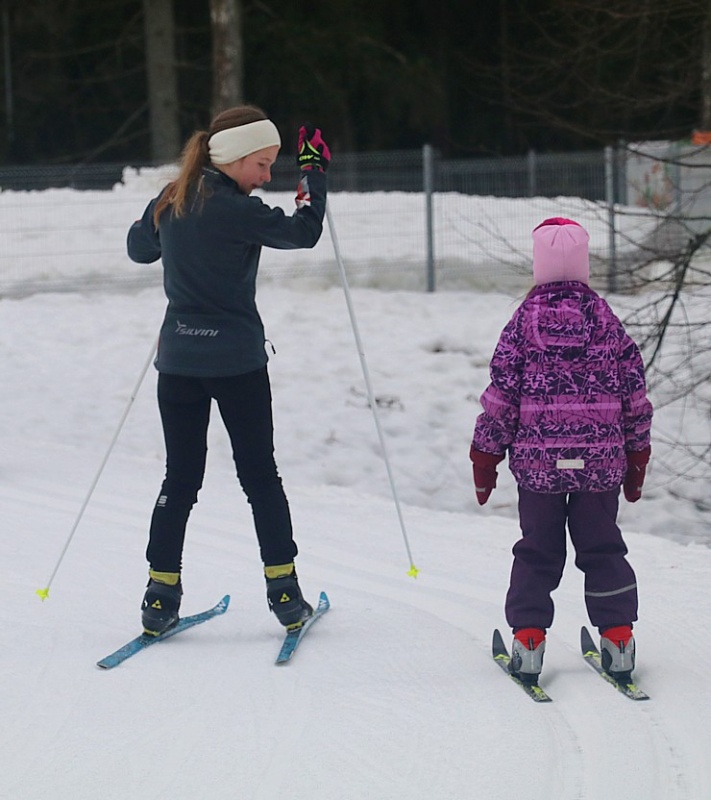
[(567, 401)]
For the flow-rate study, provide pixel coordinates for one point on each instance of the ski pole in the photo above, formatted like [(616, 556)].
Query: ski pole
[(44, 593), (412, 572)]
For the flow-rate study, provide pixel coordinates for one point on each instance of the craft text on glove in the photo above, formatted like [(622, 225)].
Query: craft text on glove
[(312, 151)]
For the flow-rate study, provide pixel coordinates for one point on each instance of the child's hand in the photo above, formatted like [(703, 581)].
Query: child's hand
[(636, 471), (485, 474)]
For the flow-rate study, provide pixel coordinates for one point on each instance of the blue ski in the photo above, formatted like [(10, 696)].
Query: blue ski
[(293, 638), (143, 641)]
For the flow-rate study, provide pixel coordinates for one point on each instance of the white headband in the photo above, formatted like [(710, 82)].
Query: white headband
[(234, 143)]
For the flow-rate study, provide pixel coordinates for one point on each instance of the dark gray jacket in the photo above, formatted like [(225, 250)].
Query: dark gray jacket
[(210, 259)]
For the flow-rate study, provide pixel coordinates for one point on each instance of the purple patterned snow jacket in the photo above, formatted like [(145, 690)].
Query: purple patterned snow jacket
[(567, 396)]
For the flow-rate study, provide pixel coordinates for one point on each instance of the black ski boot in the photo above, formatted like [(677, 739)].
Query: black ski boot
[(161, 602), (284, 596)]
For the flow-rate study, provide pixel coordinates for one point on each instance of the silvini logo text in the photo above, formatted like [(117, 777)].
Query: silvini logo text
[(183, 330)]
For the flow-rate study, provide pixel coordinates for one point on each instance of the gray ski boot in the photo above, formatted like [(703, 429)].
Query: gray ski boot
[(617, 650), (529, 645)]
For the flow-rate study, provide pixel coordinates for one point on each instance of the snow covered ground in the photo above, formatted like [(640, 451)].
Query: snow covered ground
[(58, 237), (394, 695)]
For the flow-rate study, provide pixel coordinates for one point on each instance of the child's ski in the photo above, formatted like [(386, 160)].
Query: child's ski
[(592, 655), (143, 641), (503, 659)]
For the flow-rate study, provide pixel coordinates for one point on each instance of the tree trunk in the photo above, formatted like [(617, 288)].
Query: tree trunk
[(162, 79), (227, 54), (705, 82)]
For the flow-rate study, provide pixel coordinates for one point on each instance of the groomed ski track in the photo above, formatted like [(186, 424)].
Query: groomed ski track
[(393, 696)]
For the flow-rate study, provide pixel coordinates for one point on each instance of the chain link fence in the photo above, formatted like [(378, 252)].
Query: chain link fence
[(405, 219)]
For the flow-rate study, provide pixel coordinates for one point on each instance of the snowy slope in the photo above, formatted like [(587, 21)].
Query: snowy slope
[(394, 695)]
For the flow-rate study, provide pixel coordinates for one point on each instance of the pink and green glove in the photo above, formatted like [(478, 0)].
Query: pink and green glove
[(312, 151)]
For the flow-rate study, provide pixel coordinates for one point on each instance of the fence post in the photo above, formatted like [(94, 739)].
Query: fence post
[(531, 163), (428, 188), (610, 198), (621, 186)]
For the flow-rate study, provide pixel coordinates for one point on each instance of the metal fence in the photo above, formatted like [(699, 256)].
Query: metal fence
[(547, 175), (405, 219)]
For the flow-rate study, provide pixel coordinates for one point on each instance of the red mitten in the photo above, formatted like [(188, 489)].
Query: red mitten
[(484, 468), (636, 469)]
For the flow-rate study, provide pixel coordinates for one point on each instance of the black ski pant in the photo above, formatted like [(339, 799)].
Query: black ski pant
[(245, 405)]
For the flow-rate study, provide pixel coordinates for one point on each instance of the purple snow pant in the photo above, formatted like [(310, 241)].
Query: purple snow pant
[(539, 558)]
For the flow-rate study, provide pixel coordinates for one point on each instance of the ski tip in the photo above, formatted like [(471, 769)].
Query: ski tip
[(586, 640), (224, 603), (323, 600), (498, 647)]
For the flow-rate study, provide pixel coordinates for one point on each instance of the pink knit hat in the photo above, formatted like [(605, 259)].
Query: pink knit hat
[(560, 252)]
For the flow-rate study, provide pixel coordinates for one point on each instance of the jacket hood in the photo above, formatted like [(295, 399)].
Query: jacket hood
[(562, 317)]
